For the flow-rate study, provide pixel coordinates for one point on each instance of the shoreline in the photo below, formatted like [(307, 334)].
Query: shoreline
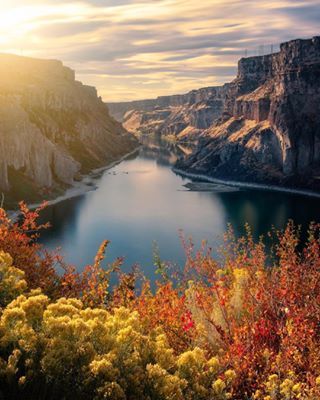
[(85, 185), (247, 185)]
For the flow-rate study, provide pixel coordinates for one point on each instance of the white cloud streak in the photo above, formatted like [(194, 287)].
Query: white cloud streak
[(133, 49)]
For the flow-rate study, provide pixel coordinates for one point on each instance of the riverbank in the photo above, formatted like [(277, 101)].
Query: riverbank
[(142, 201), (86, 184), (246, 185)]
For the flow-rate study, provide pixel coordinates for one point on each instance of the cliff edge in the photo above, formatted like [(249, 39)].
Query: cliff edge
[(52, 129), (269, 131)]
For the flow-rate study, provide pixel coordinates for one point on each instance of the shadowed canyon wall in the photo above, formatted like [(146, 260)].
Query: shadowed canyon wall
[(52, 127), (270, 127)]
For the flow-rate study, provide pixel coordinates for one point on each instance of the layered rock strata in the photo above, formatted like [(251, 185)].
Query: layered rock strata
[(269, 131), (52, 127), (181, 116)]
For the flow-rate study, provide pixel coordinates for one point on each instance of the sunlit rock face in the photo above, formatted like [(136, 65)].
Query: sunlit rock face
[(52, 127), (181, 116), (270, 127)]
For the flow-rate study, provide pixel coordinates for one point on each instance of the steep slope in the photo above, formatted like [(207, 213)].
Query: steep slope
[(182, 116), (270, 128), (52, 128)]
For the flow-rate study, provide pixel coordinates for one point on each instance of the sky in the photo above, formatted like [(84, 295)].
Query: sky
[(137, 49)]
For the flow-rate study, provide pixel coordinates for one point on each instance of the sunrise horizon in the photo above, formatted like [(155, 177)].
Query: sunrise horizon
[(134, 49)]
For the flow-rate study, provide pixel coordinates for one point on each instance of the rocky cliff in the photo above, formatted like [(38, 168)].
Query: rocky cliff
[(52, 128), (182, 116), (269, 131)]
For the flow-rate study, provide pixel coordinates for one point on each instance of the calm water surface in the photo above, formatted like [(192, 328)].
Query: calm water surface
[(141, 201)]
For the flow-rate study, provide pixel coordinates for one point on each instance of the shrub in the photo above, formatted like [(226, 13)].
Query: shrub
[(12, 282), (241, 326), (63, 350)]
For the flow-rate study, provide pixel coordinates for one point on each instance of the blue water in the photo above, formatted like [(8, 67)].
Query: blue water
[(141, 201)]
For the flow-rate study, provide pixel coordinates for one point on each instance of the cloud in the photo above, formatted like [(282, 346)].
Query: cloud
[(139, 49), (307, 13)]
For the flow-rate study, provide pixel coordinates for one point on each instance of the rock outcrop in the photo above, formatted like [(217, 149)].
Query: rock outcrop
[(182, 116), (269, 131), (52, 128)]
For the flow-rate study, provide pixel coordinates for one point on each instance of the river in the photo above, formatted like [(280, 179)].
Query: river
[(141, 202)]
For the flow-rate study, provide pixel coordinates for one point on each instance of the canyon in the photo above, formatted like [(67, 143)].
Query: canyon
[(182, 117), (53, 129), (265, 127), (262, 127)]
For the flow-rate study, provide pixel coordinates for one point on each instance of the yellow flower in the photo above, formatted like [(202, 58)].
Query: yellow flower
[(213, 365), (12, 282), (191, 363), (230, 375), (286, 388), (273, 378), (296, 388), (257, 395), (218, 386), (241, 275), (164, 354), (165, 385), (22, 380)]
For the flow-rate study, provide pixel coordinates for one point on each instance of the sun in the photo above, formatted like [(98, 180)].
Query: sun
[(18, 22), (15, 23)]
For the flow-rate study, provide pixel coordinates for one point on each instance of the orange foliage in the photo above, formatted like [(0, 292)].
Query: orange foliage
[(19, 239), (269, 316), (259, 315), (166, 308)]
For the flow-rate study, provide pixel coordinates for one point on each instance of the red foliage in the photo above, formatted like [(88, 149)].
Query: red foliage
[(263, 317), (166, 308), (279, 326), (19, 239)]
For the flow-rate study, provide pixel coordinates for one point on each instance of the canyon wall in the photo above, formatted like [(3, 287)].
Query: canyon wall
[(52, 128), (269, 130), (182, 116)]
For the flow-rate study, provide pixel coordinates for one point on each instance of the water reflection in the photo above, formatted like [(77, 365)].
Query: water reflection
[(141, 201)]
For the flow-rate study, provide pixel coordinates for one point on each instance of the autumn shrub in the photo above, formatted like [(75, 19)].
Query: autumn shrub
[(61, 349), (243, 325), (258, 313), (19, 239), (262, 315), (12, 282)]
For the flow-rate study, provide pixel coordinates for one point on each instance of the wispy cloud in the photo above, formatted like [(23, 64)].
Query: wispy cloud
[(134, 49)]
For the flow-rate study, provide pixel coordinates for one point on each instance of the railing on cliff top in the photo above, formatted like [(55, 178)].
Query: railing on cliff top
[(265, 49), (262, 50)]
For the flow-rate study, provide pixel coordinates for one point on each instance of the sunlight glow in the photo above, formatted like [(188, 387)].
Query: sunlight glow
[(135, 48)]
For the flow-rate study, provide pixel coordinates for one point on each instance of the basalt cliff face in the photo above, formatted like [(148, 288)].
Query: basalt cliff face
[(181, 116), (52, 128), (269, 131)]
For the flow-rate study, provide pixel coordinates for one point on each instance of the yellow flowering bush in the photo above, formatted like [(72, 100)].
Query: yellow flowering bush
[(287, 388), (78, 352), (12, 281), (230, 329)]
